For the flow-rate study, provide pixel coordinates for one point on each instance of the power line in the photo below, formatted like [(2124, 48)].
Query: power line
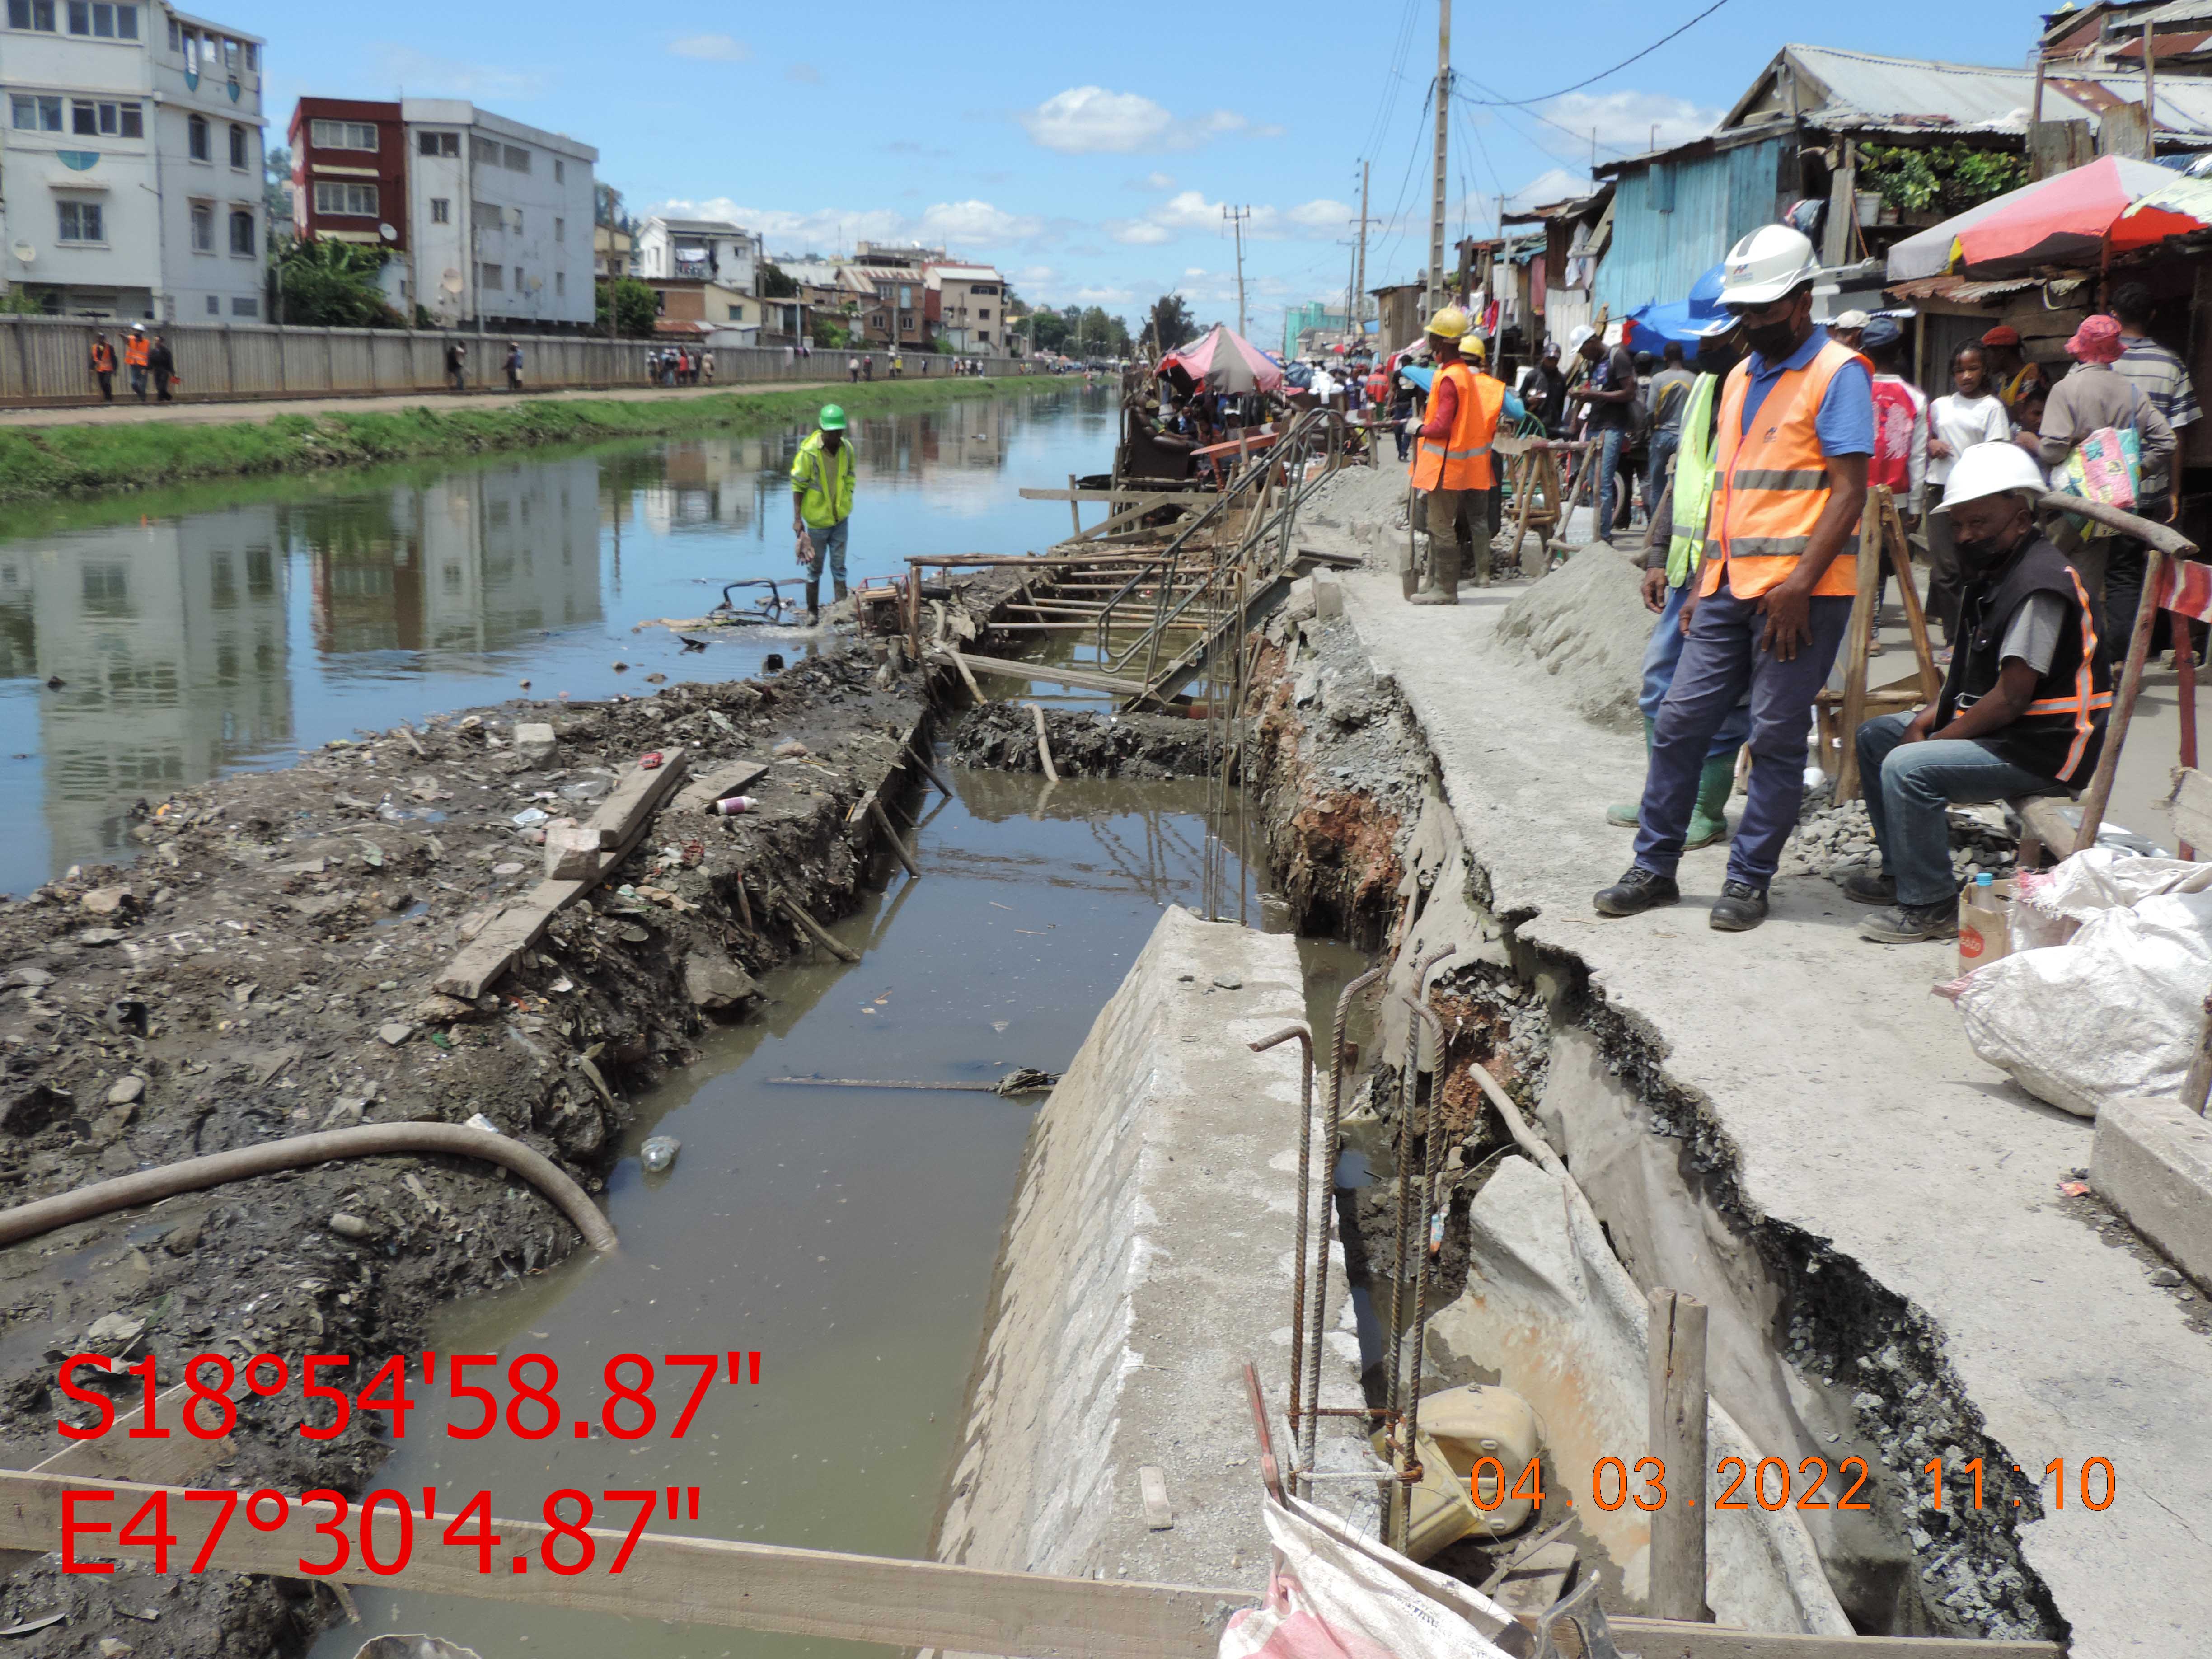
[(1580, 138), (1522, 103)]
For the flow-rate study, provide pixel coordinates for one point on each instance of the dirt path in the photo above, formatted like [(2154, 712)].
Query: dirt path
[(127, 411)]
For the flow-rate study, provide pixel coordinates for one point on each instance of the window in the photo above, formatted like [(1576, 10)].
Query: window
[(441, 210), (345, 200), (343, 135), (100, 21), (982, 313), (84, 118), (737, 313), (983, 337), (560, 283), (487, 215), (176, 36), (241, 306), (560, 230), (230, 54), (81, 222), (253, 56), (238, 150), (241, 230), (482, 152), (560, 171), (130, 120), (38, 114), (491, 277), (31, 14), (202, 228), (517, 159), (438, 143), (213, 305), (195, 138)]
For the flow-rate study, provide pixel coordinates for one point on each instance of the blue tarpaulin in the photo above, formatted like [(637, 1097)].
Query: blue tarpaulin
[(1650, 327)]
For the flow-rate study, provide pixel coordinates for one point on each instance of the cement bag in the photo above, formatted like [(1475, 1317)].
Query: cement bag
[(2118, 1011), (1335, 1594), (2048, 905)]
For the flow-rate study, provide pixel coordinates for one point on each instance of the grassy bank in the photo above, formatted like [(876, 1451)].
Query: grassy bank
[(44, 462)]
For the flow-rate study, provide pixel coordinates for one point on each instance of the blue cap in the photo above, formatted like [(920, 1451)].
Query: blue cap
[(1881, 331)]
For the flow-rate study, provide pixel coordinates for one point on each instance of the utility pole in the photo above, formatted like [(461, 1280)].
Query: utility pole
[(1237, 216), (1437, 200), (1359, 270)]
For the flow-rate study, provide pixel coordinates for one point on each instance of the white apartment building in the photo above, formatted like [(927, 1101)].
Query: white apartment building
[(971, 307), (500, 218), (711, 248), (132, 153)]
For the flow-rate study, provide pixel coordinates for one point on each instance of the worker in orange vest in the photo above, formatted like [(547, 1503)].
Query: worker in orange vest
[(1452, 460), (1794, 434), (135, 352), (103, 365)]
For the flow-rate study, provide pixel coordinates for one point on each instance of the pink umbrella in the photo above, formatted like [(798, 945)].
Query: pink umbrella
[(2058, 221), (1222, 360)]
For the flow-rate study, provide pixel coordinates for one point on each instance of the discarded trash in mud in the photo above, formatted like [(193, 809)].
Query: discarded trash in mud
[(658, 1153), (413, 1647), (1022, 1080)]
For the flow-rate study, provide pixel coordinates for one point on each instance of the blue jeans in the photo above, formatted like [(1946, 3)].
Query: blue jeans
[(1663, 446), (1611, 441), (1908, 785), (1661, 659), (829, 545), (1720, 660)]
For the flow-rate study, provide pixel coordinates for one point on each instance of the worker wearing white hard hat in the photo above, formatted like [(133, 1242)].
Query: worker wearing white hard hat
[(1773, 595), (2023, 708)]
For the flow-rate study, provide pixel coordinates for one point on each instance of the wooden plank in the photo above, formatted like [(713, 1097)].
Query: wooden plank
[(2192, 806), (1057, 673), (1677, 1425), (636, 792), (1856, 637), (1662, 1638), (1149, 498), (515, 929), (717, 783), (701, 1581)]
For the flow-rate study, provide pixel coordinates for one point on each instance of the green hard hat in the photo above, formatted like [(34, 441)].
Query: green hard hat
[(833, 418)]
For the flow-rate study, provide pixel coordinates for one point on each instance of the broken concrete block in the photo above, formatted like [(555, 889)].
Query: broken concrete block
[(125, 1090), (1303, 601), (535, 743), (713, 982), (2151, 1162), (106, 901), (1329, 595), (395, 1032), (572, 850)]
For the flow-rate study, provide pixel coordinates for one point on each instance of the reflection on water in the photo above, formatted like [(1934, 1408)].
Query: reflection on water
[(234, 634), (848, 1235)]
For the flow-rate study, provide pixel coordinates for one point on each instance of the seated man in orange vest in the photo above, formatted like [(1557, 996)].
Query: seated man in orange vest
[(1768, 614), (1453, 457)]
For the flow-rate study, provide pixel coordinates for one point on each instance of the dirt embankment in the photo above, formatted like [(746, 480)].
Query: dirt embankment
[(266, 970), (1085, 744)]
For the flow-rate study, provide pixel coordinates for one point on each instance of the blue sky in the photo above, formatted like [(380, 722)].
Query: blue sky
[(1088, 151)]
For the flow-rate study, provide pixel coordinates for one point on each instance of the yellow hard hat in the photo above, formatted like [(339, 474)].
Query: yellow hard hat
[(1473, 346), (1449, 324)]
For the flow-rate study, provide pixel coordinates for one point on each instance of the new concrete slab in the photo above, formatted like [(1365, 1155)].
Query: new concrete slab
[(1857, 1115), (2152, 1164)]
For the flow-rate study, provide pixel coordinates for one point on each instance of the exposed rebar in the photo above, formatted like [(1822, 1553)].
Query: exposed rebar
[(1306, 1185)]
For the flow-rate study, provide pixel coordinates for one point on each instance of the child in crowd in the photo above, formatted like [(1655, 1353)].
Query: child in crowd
[(1969, 414)]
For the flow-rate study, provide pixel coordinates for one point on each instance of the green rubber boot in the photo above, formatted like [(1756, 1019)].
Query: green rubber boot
[(1625, 815), (1709, 817)]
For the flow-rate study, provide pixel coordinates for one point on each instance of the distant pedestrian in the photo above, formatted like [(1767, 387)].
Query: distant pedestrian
[(2158, 373), (1849, 327), (853, 370), (2012, 377), (1967, 415), (134, 359), (1609, 390), (1899, 461), (868, 367), (1667, 397), (162, 364), (457, 365), (103, 365), (1545, 390), (514, 365), (706, 366)]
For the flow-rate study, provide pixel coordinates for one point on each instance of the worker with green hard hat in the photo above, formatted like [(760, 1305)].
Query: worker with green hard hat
[(822, 478)]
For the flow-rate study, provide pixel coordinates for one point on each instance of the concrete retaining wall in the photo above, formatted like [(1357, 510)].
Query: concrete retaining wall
[(1148, 1257)]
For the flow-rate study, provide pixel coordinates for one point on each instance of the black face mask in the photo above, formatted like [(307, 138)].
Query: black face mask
[(1716, 358), (1983, 556), (1772, 340)]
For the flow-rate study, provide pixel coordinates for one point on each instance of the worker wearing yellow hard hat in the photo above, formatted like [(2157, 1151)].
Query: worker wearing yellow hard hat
[(1451, 459), (822, 476)]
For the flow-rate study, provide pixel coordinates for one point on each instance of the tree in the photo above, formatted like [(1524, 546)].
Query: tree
[(637, 307), (776, 284), (1169, 323), (607, 206), (277, 193), (332, 284)]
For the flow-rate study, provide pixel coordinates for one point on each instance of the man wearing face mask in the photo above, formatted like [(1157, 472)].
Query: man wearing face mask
[(1774, 596), (1675, 546), (2023, 709)]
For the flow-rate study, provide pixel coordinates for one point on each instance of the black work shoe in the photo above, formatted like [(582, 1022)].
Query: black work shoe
[(1910, 924), (1638, 891), (1739, 907), (1866, 883)]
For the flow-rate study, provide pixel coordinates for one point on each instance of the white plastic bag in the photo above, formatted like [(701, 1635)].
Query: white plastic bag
[(2116, 1011), (1335, 1594)]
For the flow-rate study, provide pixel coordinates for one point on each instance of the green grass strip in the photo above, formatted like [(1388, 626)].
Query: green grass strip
[(45, 462)]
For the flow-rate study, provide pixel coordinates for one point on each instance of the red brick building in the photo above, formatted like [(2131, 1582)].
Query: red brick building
[(349, 171)]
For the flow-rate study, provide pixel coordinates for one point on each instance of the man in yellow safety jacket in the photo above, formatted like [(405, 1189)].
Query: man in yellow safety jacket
[(821, 479), (1452, 460), (1774, 596)]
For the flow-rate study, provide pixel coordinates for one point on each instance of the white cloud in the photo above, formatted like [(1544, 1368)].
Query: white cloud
[(1139, 232), (1624, 121), (976, 221), (419, 73), (1559, 184), (1158, 181), (1321, 213), (805, 74), (977, 226), (711, 48), (1093, 121), (1189, 212), (1104, 296)]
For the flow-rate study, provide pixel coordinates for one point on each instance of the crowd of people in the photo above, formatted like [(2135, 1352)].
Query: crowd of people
[(680, 365)]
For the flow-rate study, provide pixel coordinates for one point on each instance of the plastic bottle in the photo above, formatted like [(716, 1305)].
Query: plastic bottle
[(731, 806)]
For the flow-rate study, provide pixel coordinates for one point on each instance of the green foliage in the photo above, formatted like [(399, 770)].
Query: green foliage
[(20, 302), (1170, 324), (832, 333), (636, 307), (1947, 178), (775, 283), (332, 284)]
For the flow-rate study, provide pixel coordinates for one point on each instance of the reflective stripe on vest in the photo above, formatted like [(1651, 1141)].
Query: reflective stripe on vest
[(2086, 700), (1772, 483), (1462, 460), (1693, 482)]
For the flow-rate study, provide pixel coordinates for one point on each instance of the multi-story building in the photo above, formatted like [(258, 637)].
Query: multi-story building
[(971, 307), (500, 219), (133, 159), (713, 249), (697, 306), (613, 250), (349, 181)]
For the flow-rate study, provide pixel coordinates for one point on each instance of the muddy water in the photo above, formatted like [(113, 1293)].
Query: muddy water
[(197, 631), (847, 1234)]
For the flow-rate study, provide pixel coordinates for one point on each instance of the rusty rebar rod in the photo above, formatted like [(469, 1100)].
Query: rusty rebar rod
[(1306, 1185)]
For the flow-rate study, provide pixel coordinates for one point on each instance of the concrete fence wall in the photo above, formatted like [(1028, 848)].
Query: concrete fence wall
[(47, 360)]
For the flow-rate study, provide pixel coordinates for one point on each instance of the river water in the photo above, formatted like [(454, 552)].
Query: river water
[(198, 631)]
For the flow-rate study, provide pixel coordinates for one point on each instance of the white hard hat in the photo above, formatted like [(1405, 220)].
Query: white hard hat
[(1992, 468), (1767, 265), (1850, 320)]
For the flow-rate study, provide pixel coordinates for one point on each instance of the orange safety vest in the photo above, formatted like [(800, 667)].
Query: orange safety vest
[(135, 349), (1461, 461), (1770, 485), (103, 357)]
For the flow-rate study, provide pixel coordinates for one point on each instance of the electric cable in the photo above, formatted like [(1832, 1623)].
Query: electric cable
[(1522, 103)]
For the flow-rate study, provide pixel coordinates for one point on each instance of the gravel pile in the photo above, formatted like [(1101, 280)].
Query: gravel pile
[(1832, 839)]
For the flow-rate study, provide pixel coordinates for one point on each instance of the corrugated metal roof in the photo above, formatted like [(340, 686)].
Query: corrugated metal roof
[(1658, 251), (1870, 91)]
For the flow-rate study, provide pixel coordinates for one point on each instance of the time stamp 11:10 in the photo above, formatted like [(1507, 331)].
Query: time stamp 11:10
[(1770, 1484)]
